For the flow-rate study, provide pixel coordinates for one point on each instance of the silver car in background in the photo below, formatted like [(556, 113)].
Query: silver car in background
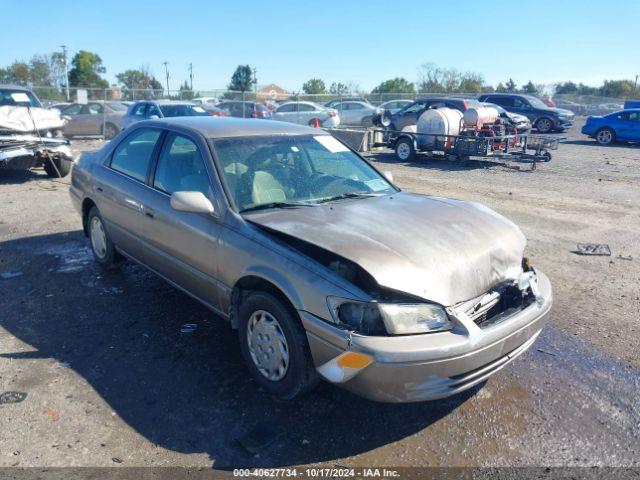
[(154, 109), (307, 113), (357, 113), (325, 267), (93, 118)]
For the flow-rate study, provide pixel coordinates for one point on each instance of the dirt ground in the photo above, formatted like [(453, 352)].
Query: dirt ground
[(94, 370)]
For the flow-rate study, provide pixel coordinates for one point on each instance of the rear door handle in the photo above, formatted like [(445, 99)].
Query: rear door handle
[(99, 189), (149, 212)]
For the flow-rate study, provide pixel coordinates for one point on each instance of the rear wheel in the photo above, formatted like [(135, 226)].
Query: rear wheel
[(544, 125), (61, 169), (405, 149), (274, 346), (110, 131), (605, 136), (104, 251)]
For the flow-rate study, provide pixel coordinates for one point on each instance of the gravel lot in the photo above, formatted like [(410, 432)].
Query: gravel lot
[(102, 376)]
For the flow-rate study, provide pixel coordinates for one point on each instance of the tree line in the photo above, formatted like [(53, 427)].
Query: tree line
[(86, 70)]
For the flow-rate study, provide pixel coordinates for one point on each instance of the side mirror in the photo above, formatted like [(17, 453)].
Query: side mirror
[(153, 117), (193, 202), (388, 175)]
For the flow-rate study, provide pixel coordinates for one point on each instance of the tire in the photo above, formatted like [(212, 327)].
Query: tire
[(544, 125), (110, 131), (282, 378), (104, 251), (405, 150), (61, 169), (605, 136), (367, 122)]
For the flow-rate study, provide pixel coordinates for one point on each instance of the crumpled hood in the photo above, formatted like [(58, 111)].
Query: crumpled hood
[(17, 119), (441, 250)]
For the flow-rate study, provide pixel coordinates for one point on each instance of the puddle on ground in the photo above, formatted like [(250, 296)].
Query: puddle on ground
[(72, 256)]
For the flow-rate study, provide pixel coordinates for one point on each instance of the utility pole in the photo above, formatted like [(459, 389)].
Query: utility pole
[(635, 85), (66, 70), (191, 76), (166, 71)]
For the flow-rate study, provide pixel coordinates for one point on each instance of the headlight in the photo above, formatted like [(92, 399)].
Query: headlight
[(371, 318)]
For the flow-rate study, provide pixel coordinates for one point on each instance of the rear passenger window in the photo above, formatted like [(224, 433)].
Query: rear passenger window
[(133, 155), (502, 101), (181, 168)]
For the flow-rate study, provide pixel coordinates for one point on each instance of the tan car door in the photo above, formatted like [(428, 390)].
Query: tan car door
[(183, 246)]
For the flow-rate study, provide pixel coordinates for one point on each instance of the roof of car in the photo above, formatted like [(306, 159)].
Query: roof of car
[(458, 99), (217, 127), (167, 102), (14, 87)]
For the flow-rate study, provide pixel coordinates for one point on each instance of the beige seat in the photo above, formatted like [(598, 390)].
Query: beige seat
[(266, 188)]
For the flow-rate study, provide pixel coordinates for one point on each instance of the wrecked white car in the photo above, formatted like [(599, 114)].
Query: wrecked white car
[(31, 136), (325, 267)]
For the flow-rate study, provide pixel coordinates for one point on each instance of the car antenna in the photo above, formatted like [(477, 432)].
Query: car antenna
[(44, 151)]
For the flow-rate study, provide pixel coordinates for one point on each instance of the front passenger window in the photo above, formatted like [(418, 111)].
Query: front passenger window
[(181, 168)]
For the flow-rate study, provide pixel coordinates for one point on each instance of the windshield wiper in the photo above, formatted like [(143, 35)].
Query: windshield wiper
[(350, 195), (264, 206)]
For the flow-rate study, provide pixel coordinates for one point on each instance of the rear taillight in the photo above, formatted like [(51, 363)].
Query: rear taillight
[(332, 114), (218, 114), (465, 105)]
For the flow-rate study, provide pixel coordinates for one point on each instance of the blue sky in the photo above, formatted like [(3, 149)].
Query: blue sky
[(364, 42)]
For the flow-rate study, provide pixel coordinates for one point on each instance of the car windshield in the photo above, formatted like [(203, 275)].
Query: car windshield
[(183, 111), (536, 102), (275, 172), (18, 98)]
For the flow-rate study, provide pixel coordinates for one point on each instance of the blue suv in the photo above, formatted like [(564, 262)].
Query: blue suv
[(543, 118)]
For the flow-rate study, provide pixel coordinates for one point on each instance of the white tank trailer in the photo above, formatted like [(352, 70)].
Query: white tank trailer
[(437, 124), (480, 116)]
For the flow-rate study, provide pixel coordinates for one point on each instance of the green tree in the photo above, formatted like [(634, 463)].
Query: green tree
[(139, 83), (471, 82), (86, 70), (566, 88), (395, 85), (314, 86), (39, 71), (338, 88), (243, 79), (511, 86), (500, 88), (17, 73), (530, 88), (185, 91), (618, 88), (587, 90)]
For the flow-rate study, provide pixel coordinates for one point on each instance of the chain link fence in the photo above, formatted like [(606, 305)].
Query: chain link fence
[(97, 111)]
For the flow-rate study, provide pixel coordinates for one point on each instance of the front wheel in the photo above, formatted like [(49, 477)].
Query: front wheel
[(544, 125), (605, 136), (274, 346), (110, 131), (367, 122), (405, 150), (57, 167)]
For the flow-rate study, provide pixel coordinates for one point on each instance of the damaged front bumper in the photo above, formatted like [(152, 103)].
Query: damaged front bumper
[(414, 368), (18, 152)]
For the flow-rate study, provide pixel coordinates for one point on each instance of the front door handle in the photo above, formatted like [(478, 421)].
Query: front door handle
[(149, 212)]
